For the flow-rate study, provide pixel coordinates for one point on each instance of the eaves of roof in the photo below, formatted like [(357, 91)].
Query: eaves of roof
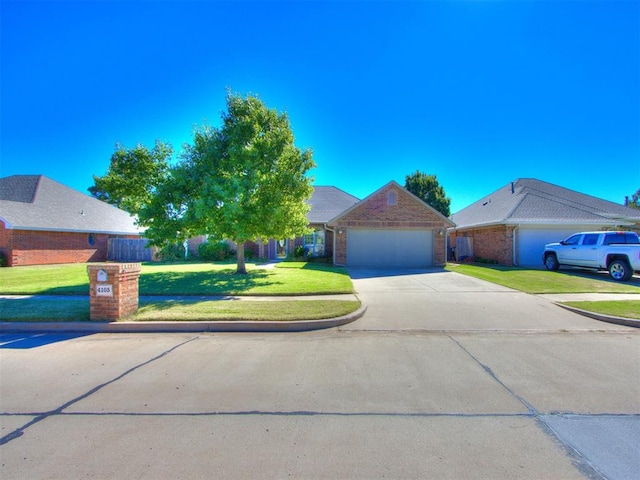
[(69, 230)]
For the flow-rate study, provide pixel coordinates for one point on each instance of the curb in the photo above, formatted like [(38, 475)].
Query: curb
[(627, 322), (178, 327)]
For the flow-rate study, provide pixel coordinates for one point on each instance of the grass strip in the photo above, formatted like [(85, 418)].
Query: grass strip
[(59, 309), (62, 309), (258, 311), (616, 308), (545, 282)]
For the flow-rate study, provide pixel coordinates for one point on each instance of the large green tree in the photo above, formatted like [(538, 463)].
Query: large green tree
[(245, 180), (427, 188), (133, 176)]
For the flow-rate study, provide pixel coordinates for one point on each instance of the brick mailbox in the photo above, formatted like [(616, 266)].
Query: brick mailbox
[(114, 290)]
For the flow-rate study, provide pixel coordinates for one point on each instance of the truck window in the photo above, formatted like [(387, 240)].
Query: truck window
[(632, 237), (590, 239), (573, 239), (620, 237)]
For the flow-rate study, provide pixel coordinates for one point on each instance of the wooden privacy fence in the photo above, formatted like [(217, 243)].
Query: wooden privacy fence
[(129, 250)]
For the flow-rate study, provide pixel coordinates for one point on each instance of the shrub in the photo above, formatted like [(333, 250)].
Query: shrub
[(172, 252), (215, 251), (299, 252), (488, 261)]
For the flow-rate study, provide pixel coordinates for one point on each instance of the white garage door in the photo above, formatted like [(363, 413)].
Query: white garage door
[(532, 242), (390, 248)]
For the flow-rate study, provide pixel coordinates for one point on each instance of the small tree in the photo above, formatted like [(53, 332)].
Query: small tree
[(634, 201), (427, 188), (243, 181), (133, 176)]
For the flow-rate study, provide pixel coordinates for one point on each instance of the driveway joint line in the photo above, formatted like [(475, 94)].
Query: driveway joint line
[(581, 462), (18, 432), (530, 408)]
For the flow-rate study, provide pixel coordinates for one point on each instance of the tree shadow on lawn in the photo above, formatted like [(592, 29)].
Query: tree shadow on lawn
[(225, 282)]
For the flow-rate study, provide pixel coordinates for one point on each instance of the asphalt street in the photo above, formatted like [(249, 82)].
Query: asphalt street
[(445, 376)]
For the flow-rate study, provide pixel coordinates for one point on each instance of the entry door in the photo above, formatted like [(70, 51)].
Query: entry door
[(281, 248)]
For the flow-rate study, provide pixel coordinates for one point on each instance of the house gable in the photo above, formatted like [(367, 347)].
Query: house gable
[(391, 206)]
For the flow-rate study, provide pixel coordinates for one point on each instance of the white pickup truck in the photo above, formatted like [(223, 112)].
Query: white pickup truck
[(617, 252)]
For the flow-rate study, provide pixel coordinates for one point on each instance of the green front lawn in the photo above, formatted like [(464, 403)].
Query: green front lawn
[(544, 281), (186, 279), (70, 309)]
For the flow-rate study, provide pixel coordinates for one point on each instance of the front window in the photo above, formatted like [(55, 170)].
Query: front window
[(314, 243)]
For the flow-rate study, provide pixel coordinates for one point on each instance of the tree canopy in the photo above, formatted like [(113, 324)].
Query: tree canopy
[(245, 180), (634, 201), (133, 176), (427, 188)]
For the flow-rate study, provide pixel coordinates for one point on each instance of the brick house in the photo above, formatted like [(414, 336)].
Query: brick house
[(390, 228), (45, 222), (513, 224)]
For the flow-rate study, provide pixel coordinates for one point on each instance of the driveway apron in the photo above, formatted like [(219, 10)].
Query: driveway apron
[(438, 300)]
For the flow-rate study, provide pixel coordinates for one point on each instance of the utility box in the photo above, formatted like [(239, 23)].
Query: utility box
[(113, 290)]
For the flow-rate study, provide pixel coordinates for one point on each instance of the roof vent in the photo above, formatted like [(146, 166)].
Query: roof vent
[(512, 188)]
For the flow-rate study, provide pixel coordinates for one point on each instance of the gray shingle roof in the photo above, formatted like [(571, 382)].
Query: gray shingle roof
[(327, 203), (35, 202), (531, 201)]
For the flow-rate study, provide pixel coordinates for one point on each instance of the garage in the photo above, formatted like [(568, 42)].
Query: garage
[(531, 242), (390, 248)]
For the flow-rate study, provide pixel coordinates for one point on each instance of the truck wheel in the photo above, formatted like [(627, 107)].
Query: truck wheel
[(551, 262), (620, 271)]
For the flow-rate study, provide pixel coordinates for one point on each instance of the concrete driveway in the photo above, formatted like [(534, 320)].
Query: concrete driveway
[(438, 300), (426, 385)]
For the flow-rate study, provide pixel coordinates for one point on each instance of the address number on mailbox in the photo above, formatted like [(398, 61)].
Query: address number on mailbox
[(104, 290)]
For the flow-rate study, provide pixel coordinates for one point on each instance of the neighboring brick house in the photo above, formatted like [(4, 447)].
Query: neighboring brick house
[(45, 222), (390, 228), (513, 224)]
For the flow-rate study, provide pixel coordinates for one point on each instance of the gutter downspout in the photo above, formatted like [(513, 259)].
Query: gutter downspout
[(515, 231)]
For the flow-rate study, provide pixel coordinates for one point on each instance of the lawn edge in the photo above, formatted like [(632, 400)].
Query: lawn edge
[(181, 326)]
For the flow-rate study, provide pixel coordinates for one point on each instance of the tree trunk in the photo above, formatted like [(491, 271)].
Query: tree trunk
[(241, 268)]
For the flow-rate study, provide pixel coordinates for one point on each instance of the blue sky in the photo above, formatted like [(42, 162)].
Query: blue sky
[(478, 93)]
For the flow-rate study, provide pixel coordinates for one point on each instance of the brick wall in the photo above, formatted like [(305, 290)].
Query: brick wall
[(407, 213), (490, 243), (123, 280), (28, 247)]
